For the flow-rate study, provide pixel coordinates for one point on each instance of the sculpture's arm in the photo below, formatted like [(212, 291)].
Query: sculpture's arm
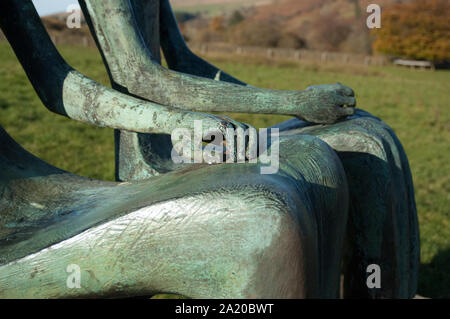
[(67, 92), (132, 66), (178, 55)]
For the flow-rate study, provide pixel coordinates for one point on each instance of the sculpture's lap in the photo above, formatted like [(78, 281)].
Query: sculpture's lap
[(207, 231), (383, 226), (202, 245), (267, 235)]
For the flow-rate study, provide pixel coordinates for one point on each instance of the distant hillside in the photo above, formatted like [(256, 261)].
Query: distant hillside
[(325, 25), (190, 3), (294, 12), (332, 25), (187, 3), (211, 8)]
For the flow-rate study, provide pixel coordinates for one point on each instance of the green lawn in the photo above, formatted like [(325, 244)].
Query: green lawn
[(414, 103)]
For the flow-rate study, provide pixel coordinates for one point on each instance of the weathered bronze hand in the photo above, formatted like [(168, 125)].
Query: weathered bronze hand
[(324, 104), (216, 129)]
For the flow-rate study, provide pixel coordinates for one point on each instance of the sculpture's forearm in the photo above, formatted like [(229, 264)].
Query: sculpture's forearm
[(88, 101), (66, 91), (178, 55), (200, 94), (123, 47)]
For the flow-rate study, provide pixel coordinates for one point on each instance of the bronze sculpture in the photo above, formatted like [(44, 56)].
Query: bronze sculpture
[(344, 180)]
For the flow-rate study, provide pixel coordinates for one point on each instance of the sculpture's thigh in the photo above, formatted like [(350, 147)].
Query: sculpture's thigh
[(228, 232), (255, 240), (383, 225)]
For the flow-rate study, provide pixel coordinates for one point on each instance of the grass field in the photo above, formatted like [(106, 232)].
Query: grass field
[(414, 103)]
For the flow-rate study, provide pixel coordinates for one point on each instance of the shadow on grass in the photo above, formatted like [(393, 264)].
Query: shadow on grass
[(434, 277)]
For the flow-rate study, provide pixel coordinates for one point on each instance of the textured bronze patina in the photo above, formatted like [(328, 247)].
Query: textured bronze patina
[(342, 199)]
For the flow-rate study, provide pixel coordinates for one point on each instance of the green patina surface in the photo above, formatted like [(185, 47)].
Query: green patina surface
[(382, 226)]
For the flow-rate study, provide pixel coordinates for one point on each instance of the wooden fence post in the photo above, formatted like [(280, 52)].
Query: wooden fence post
[(346, 59), (204, 49)]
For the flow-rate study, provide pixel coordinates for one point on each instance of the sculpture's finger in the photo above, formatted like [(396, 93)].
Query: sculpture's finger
[(252, 142), (237, 139), (223, 117), (238, 124), (348, 101), (229, 141), (347, 91), (212, 125), (346, 111)]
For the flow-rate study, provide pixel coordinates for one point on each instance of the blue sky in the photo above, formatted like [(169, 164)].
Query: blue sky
[(45, 7)]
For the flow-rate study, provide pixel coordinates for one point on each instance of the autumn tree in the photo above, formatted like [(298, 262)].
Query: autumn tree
[(418, 30), (236, 18), (217, 24)]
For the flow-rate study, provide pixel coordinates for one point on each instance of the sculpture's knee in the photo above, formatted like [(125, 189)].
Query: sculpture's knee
[(391, 198), (287, 266), (383, 227), (267, 250), (322, 184)]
